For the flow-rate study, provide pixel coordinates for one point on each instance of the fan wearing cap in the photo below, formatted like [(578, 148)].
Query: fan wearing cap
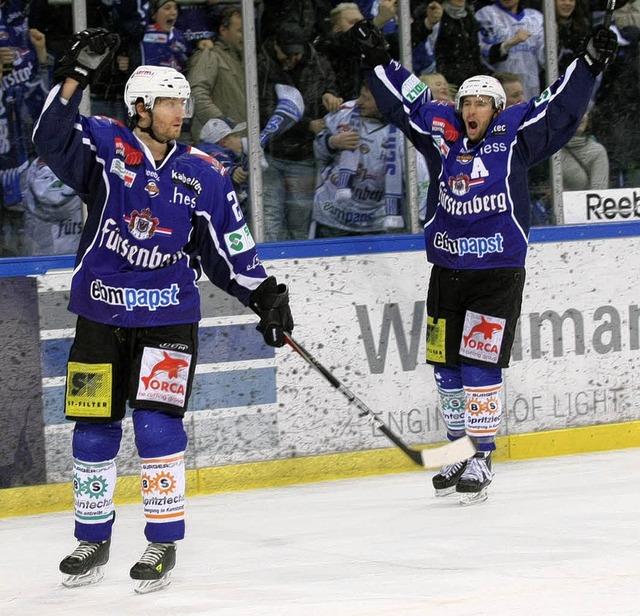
[(290, 45), (160, 214), (222, 140), (216, 75), (163, 44)]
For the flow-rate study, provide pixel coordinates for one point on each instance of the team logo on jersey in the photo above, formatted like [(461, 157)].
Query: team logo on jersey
[(443, 126), (239, 240), (482, 337), (441, 144), (117, 167), (464, 158), (412, 88), (461, 184), (152, 189), (543, 98), (156, 37), (129, 153), (194, 184), (142, 225)]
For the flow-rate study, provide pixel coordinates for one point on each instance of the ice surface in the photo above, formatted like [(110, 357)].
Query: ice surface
[(558, 536)]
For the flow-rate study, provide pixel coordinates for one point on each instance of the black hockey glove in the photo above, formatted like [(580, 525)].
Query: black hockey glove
[(271, 302), (90, 50), (371, 43), (600, 49)]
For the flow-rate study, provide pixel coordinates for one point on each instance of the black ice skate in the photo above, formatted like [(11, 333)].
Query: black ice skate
[(153, 570), (446, 480), (474, 482), (85, 565)]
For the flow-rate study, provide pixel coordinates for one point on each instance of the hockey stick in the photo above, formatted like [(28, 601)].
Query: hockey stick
[(456, 451), (608, 14)]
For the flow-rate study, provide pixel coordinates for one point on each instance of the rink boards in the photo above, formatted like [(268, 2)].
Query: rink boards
[(260, 416)]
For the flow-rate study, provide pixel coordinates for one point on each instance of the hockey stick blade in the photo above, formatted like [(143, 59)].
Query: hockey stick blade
[(453, 452)]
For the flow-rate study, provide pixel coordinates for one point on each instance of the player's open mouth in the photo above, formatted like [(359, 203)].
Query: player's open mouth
[(473, 125)]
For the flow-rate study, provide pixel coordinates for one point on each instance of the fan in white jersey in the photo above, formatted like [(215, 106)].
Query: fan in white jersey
[(361, 158)]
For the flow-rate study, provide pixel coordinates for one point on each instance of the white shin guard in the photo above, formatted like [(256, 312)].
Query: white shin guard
[(483, 412), (94, 484), (163, 488), (452, 407)]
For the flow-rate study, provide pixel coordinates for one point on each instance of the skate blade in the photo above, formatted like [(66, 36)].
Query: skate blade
[(445, 492), (144, 587), (473, 498), (93, 576)]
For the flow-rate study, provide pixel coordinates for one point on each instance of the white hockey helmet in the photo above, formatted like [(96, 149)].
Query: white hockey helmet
[(482, 85), (151, 82)]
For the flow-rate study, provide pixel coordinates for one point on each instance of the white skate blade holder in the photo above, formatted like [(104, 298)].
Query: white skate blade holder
[(93, 576), (453, 452), (144, 587)]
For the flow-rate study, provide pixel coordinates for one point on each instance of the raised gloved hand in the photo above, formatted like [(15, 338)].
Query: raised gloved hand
[(270, 301), (371, 43), (601, 49), (90, 50)]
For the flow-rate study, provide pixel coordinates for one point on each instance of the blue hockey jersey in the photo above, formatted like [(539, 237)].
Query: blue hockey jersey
[(151, 227), (478, 207)]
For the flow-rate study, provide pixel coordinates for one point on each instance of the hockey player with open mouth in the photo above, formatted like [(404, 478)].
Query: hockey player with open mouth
[(159, 214), (477, 225)]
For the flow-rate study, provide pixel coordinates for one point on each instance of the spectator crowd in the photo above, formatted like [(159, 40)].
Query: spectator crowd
[(332, 173)]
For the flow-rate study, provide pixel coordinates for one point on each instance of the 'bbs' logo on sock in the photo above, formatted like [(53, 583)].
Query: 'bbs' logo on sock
[(162, 483)]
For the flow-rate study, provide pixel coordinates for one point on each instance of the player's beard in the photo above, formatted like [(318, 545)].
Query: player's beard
[(166, 132)]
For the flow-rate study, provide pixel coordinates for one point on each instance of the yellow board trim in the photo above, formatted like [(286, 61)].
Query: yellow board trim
[(34, 500)]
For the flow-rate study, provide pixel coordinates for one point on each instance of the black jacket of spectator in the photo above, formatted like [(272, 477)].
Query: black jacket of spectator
[(313, 76), (457, 49), (345, 60)]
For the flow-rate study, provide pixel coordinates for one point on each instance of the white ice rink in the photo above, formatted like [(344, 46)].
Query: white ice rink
[(557, 536)]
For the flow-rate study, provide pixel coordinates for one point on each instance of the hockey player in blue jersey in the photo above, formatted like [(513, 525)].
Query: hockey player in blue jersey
[(159, 212), (477, 225)]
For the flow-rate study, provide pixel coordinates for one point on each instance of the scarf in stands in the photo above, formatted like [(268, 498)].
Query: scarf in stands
[(349, 159)]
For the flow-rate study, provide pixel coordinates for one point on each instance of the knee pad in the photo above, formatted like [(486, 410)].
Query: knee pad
[(480, 376), (96, 442), (158, 434)]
